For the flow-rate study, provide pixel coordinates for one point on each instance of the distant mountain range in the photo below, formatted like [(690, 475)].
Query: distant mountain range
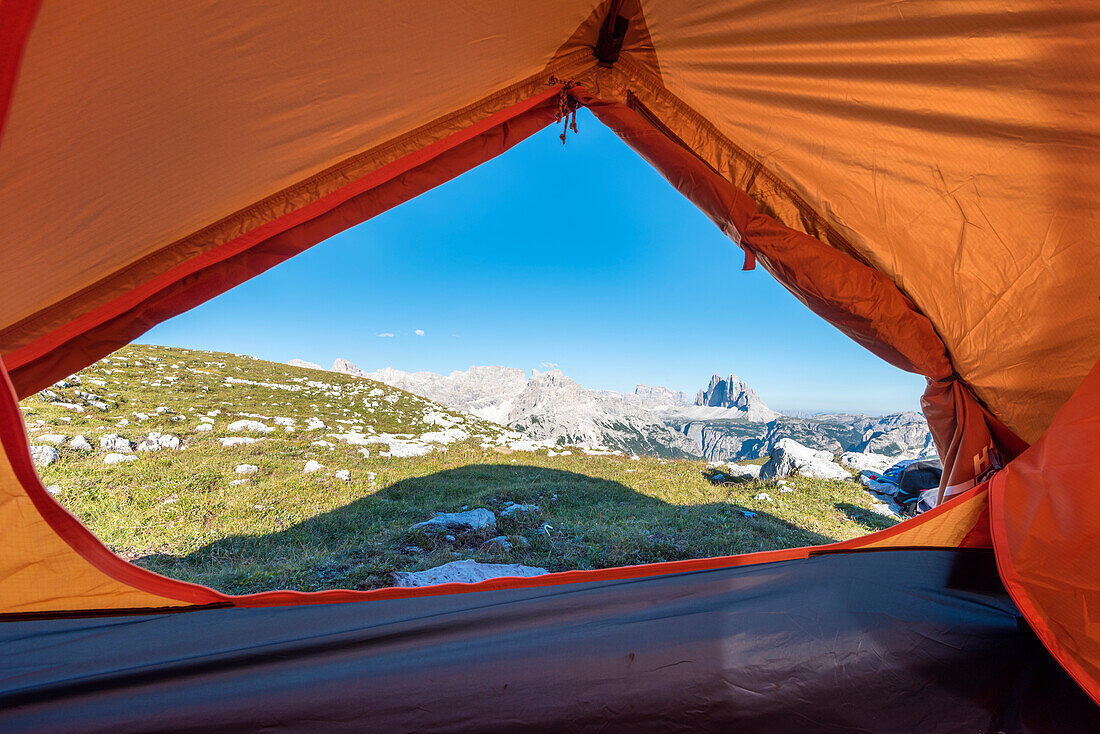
[(726, 421)]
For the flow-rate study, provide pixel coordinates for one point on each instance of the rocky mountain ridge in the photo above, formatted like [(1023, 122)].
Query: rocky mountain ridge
[(726, 421)]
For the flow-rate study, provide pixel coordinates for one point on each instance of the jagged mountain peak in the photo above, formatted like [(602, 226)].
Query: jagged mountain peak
[(555, 407), (347, 368), (728, 392)]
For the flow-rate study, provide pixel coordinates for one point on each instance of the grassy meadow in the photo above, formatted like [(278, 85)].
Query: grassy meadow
[(188, 513)]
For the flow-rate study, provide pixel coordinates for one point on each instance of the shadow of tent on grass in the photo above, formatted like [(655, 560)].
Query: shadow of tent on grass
[(583, 522)]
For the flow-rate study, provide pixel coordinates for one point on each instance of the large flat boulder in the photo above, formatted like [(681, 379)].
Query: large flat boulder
[(790, 457), (461, 522), (464, 572)]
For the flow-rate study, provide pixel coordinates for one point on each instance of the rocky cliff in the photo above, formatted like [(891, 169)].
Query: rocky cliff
[(726, 421), (555, 408)]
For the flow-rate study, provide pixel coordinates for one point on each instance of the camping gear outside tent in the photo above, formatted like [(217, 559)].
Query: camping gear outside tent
[(925, 176)]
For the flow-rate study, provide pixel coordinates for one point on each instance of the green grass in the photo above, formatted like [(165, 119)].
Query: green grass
[(175, 513)]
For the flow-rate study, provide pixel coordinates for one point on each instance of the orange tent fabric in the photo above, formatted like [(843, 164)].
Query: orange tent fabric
[(1046, 526), (925, 176)]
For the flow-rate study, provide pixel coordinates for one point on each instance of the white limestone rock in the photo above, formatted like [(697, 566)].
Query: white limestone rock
[(54, 439), (343, 475), (156, 441), (479, 519), (247, 468), (115, 443), (736, 472), (248, 426), (512, 511), (204, 427), (80, 443), (312, 467), (790, 457), (464, 572), (498, 544), (237, 441), (43, 455), (861, 461), (405, 449), (118, 458)]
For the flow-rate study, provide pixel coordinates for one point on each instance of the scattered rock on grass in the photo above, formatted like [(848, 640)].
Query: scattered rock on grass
[(512, 511), (157, 441), (247, 468), (465, 572), (498, 544), (80, 444), (248, 426), (343, 475), (237, 441), (790, 457), (733, 472), (118, 458), (312, 466), (43, 455), (479, 519), (115, 443)]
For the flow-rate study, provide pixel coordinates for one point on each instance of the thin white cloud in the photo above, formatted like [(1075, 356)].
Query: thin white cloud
[(385, 335), (549, 365), (419, 332)]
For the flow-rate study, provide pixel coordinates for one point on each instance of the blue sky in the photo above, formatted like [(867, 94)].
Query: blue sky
[(579, 256)]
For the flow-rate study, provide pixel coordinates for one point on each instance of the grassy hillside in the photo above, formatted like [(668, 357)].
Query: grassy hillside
[(187, 513)]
